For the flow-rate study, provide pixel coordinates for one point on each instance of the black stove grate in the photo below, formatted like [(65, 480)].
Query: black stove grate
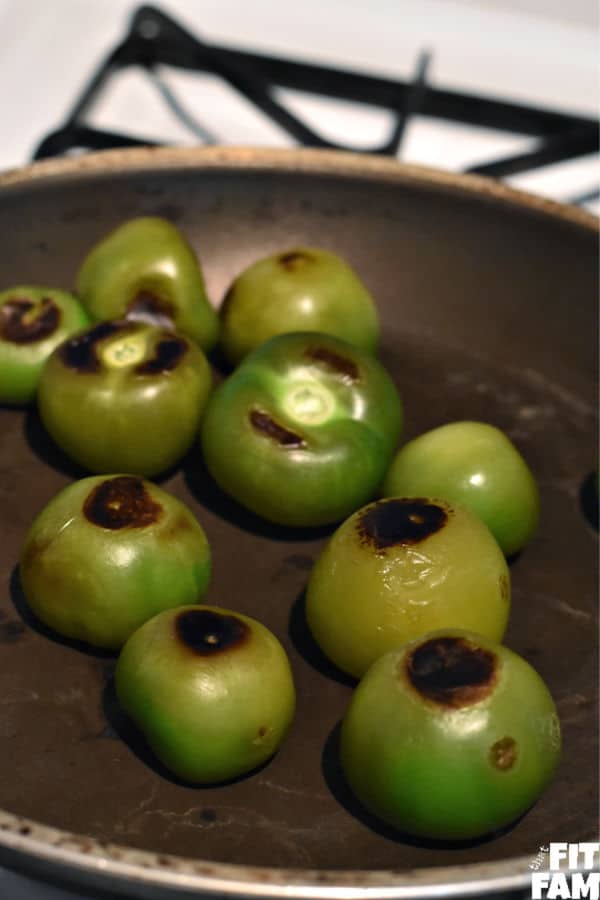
[(154, 40)]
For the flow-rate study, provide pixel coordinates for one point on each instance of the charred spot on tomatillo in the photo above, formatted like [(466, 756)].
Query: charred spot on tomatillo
[(109, 552), (400, 521), (125, 396), (121, 502), (264, 424), (23, 323), (80, 353), (207, 631), (167, 354), (302, 432), (451, 671), (334, 361), (33, 321)]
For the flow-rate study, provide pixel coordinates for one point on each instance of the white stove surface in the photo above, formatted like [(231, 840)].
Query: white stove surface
[(528, 51), (538, 52)]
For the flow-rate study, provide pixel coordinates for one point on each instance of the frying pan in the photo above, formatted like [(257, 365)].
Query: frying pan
[(488, 301)]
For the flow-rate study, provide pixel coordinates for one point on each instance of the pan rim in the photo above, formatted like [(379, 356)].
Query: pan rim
[(95, 861), (302, 160)]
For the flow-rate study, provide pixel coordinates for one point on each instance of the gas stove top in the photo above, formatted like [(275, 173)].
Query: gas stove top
[(455, 85)]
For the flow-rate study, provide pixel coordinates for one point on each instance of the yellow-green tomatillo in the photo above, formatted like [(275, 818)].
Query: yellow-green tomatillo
[(210, 689), (146, 270), (302, 289), (450, 737), (303, 431), (125, 396), (33, 321), (476, 465), (398, 568), (109, 552)]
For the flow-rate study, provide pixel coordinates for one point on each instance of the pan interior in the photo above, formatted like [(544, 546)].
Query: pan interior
[(488, 313)]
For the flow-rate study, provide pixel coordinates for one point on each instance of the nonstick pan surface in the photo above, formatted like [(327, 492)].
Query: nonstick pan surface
[(488, 300)]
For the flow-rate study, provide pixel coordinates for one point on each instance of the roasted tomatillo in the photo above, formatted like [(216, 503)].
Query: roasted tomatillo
[(109, 552), (474, 464), (124, 396), (210, 689), (304, 429), (302, 289), (33, 321), (450, 737), (146, 270), (401, 567)]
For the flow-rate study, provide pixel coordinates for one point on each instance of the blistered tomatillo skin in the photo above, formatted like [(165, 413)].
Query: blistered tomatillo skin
[(302, 289), (450, 737), (33, 321), (124, 396), (399, 568), (108, 553), (303, 430), (146, 270), (474, 464), (210, 689)]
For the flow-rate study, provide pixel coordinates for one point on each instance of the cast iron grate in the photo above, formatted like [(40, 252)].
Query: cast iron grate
[(154, 40)]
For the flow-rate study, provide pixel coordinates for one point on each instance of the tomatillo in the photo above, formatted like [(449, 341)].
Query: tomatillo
[(124, 396), (146, 270), (33, 321), (302, 289), (210, 689), (109, 552), (450, 737), (303, 431), (474, 464), (398, 568)]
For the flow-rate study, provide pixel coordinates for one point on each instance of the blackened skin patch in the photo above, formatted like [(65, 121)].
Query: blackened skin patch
[(79, 353), (294, 259), (121, 502), (152, 309), (503, 754), (390, 523), (207, 632), (167, 355), (333, 361), (451, 672), (266, 425), (17, 328)]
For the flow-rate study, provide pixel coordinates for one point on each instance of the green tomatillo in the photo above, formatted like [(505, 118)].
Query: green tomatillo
[(450, 737), (210, 689), (146, 270), (398, 568), (302, 289), (109, 552), (33, 321), (474, 464), (303, 431), (124, 396)]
